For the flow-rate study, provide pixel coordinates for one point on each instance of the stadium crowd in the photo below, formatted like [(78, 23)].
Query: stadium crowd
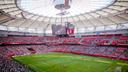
[(117, 40), (114, 47), (101, 51), (7, 65)]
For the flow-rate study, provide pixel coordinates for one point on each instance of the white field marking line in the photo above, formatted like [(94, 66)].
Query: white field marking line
[(81, 58), (57, 56), (102, 61), (122, 64), (85, 59)]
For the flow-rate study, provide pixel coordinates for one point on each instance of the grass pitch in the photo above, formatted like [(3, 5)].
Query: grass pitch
[(61, 62)]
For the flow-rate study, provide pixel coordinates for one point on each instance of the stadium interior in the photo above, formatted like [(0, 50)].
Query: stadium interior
[(63, 35)]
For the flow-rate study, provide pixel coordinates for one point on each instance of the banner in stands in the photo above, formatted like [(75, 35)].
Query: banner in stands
[(70, 28)]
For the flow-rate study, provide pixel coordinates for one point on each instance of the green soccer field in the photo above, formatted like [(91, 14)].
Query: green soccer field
[(61, 62)]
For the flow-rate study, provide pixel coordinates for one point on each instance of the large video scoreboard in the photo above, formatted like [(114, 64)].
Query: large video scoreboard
[(58, 29), (68, 28)]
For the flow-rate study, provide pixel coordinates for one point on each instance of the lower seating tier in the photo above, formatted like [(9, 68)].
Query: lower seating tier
[(100, 51)]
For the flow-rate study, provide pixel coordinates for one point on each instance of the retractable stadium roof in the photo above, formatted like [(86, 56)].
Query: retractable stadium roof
[(37, 16)]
